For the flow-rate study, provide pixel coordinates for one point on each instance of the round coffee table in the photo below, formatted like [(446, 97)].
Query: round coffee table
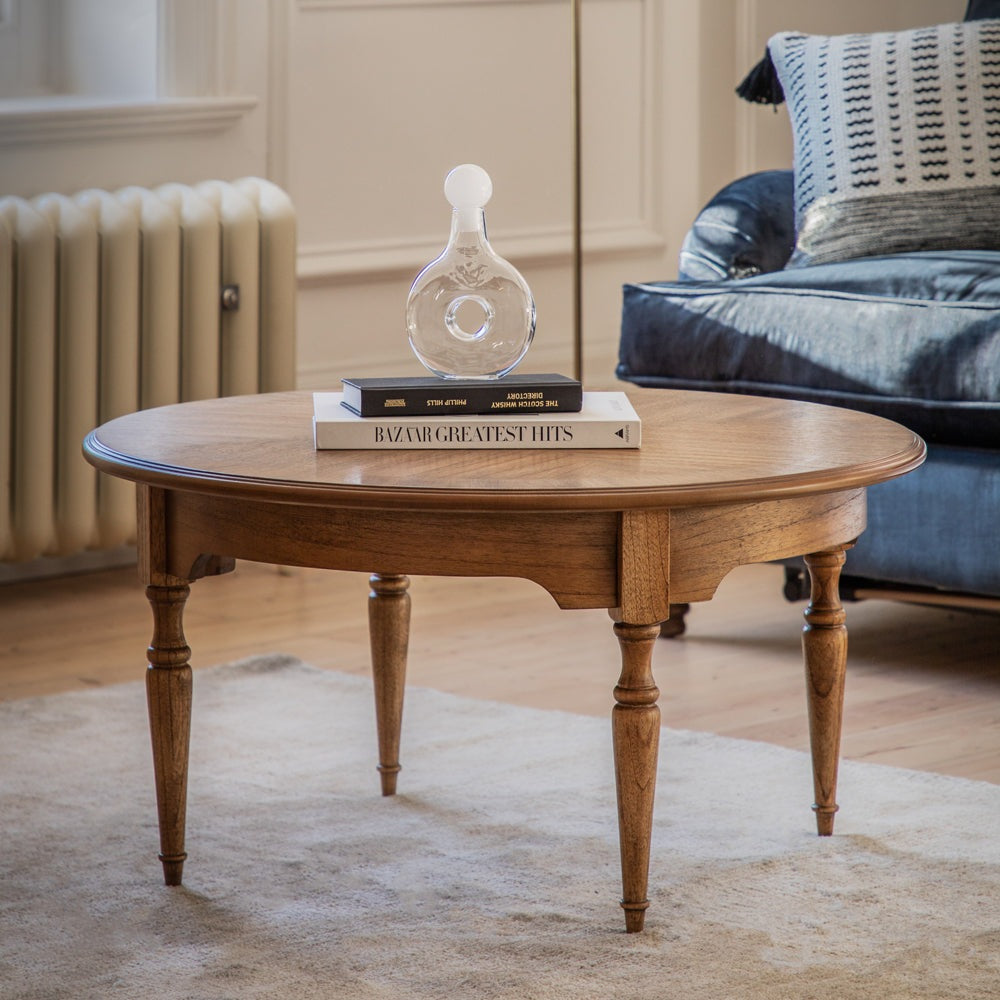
[(720, 481)]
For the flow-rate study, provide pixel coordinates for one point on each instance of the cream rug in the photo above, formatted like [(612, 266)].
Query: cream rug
[(494, 872)]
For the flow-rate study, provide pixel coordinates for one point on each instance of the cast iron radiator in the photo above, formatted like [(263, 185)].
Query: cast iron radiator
[(112, 302)]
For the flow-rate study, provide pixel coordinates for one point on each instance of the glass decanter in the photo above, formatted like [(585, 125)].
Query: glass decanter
[(469, 313)]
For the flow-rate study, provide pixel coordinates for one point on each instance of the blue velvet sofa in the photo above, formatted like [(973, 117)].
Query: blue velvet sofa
[(914, 337), (866, 277)]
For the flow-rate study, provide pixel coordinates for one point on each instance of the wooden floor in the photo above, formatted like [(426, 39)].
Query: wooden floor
[(923, 687)]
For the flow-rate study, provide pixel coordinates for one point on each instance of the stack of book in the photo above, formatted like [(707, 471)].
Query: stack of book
[(517, 411)]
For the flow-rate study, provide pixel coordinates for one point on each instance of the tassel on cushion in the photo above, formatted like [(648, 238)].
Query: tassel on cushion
[(761, 85), (981, 10)]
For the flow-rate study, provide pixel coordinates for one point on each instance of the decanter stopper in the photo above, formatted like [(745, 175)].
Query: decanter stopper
[(469, 313)]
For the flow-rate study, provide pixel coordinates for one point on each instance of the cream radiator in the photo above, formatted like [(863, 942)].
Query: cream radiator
[(114, 302)]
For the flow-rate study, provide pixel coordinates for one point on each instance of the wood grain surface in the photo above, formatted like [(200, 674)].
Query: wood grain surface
[(697, 448)]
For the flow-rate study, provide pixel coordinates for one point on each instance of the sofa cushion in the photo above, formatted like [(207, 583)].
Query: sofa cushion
[(913, 337), (896, 139)]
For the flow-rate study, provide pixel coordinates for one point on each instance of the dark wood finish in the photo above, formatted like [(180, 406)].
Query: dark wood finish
[(719, 482)]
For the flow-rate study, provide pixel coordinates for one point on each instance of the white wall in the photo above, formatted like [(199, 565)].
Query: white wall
[(90, 137), (359, 107), (398, 92)]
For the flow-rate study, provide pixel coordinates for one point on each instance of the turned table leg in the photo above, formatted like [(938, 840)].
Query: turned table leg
[(168, 693), (824, 646), (635, 722), (389, 632)]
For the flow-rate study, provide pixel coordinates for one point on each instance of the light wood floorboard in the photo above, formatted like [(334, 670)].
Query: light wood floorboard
[(923, 685)]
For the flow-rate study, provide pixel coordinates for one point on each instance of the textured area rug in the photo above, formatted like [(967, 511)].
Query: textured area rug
[(494, 872)]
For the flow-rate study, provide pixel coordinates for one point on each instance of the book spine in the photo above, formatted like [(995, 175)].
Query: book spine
[(477, 400), (494, 435)]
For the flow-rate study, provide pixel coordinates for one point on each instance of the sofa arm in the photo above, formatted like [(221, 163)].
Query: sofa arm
[(747, 228)]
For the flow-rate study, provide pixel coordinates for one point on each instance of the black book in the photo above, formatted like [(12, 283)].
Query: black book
[(432, 396)]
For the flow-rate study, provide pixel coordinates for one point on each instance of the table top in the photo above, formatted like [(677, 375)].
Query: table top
[(697, 448)]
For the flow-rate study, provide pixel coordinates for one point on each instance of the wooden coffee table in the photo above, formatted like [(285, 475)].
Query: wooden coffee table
[(720, 481)]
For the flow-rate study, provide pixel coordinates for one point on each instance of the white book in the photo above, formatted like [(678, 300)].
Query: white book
[(607, 420)]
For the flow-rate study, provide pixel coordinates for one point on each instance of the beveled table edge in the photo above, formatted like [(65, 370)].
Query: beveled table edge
[(412, 498)]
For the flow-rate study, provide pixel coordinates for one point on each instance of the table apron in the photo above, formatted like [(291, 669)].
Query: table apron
[(572, 555), (636, 562), (706, 543)]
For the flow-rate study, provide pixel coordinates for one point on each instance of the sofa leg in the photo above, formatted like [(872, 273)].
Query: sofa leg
[(674, 625), (796, 584)]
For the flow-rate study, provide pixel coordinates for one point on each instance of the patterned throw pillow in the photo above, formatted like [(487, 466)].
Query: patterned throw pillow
[(896, 137)]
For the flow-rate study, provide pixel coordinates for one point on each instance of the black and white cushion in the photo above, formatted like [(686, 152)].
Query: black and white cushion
[(897, 139)]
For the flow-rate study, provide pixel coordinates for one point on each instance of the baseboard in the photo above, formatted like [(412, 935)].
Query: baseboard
[(83, 562)]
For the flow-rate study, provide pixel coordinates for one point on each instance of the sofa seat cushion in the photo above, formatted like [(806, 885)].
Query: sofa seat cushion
[(912, 337)]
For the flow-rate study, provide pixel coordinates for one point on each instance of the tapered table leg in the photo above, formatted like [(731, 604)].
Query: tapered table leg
[(168, 693), (824, 647), (635, 722), (389, 633)]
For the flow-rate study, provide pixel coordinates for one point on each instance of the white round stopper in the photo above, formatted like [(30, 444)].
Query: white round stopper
[(468, 187)]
